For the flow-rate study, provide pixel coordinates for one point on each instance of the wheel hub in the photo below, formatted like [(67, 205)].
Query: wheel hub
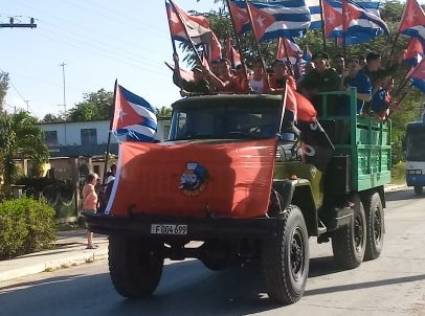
[(297, 256), (358, 233), (377, 225)]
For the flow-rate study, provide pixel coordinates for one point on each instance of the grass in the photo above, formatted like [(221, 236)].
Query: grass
[(398, 173)]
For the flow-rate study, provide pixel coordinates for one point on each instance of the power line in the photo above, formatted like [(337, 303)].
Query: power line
[(16, 89)]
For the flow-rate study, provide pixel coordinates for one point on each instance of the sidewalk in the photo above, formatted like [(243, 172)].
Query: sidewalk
[(70, 250)]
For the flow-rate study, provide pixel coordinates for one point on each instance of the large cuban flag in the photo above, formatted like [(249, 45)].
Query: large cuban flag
[(349, 19), (413, 20), (274, 19), (240, 16), (134, 118), (316, 10)]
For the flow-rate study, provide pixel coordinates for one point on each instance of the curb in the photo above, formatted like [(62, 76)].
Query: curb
[(50, 265), (395, 188)]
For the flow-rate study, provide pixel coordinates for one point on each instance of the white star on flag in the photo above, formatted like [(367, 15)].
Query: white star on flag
[(260, 21)]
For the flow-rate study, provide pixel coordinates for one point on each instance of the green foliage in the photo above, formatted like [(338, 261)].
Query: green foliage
[(4, 85), (51, 118), (398, 173), (95, 106), (164, 113), (20, 137), (26, 225)]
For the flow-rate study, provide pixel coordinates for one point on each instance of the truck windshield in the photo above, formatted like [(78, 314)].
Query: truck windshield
[(416, 145), (224, 122)]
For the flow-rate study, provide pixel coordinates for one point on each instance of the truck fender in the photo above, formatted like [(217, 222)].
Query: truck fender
[(286, 189), (298, 192)]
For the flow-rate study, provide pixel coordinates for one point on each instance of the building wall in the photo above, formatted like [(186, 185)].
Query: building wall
[(73, 131)]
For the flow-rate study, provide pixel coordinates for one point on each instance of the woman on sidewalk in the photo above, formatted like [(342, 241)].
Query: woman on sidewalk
[(90, 201)]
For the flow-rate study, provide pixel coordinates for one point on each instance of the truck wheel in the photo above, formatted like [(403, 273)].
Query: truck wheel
[(419, 190), (215, 255), (135, 267), (375, 226), (349, 242), (285, 259)]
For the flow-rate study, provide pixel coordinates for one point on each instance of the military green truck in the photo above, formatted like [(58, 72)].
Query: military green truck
[(342, 204)]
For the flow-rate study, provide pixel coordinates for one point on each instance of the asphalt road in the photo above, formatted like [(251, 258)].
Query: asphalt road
[(392, 285)]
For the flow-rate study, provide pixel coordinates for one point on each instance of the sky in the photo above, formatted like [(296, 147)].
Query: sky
[(99, 40)]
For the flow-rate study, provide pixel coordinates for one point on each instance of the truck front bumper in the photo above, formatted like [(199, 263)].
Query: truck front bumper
[(197, 229)]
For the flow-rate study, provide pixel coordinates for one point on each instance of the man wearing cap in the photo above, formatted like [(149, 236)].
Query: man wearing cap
[(320, 79)]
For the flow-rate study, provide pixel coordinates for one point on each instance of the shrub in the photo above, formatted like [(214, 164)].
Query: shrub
[(26, 225)]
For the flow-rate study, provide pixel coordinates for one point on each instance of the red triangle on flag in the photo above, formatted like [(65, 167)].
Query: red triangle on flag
[(413, 15), (351, 12), (124, 114), (332, 17), (260, 20)]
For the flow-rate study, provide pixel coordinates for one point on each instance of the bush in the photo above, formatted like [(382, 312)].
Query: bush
[(26, 225)]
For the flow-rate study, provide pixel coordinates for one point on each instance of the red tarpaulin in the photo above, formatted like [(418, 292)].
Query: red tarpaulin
[(194, 179)]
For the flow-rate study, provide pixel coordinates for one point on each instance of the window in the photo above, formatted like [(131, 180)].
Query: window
[(51, 138), (88, 136)]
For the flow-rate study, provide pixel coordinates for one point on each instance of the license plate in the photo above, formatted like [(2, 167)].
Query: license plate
[(168, 229)]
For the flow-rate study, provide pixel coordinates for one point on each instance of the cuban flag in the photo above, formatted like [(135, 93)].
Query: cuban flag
[(134, 118), (413, 20), (414, 52), (240, 16), (232, 54), (417, 76), (316, 10), (357, 24), (196, 26), (294, 51), (274, 19)]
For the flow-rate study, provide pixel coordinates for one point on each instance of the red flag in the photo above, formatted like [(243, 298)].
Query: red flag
[(197, 27), (194, 179), (332, 18), (232, 54), (302, 108)]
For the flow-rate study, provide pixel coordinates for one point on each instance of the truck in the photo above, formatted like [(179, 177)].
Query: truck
[(415, 155), (243, 201)]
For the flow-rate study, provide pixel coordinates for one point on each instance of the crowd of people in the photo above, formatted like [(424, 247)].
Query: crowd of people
[(373, 81)]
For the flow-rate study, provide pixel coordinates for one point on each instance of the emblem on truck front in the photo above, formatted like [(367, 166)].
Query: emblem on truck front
[(194, 179)]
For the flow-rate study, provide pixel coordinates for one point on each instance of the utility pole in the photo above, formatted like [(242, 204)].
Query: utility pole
[(64, 98), (12, 24), (28, 105)]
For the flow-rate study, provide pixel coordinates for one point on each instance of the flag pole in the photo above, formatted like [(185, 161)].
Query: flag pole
[(238, 41), (175, 55), (285, 47), (323, 26), (344, 29), (257, 44), (198, 57), (108, 146), (398, 32)]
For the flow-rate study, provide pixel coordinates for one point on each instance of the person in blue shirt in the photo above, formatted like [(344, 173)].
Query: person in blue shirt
[(362, 81)]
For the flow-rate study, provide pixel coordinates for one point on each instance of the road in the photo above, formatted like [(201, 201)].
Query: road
[(392, 285)]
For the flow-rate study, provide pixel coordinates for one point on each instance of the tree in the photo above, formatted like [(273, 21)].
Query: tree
[(95, 106), (51, 118), (20, 137), (164, 113), (4, 86)]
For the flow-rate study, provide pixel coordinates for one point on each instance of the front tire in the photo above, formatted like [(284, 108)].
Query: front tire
[(135, 266), (419, 190), (375, 226), (285, 259), (349, 242)]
